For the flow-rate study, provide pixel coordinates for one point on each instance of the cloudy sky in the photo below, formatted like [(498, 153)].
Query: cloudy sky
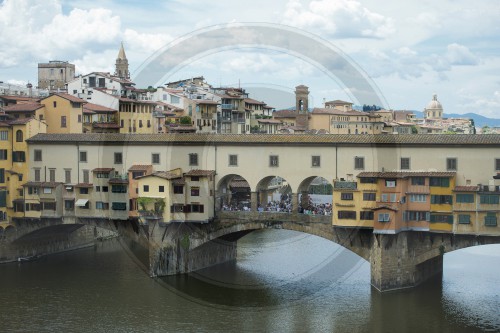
[(410, 49)]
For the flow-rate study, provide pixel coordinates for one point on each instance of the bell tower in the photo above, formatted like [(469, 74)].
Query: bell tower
[(121, 65), (302, 106)]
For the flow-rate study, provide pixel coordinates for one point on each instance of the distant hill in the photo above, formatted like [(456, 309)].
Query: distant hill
[(479, 121)]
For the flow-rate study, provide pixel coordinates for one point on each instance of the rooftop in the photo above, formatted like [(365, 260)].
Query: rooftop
[(271, 139)]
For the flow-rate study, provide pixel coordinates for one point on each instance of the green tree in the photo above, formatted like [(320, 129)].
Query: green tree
[(185, 120)]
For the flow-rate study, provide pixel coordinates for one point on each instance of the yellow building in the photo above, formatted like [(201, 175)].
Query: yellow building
[(441, 195), (136, 116), (464, 209), (346, 121), (63, 113)]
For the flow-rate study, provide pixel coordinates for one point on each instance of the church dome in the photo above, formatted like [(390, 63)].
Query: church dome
[(434, 104)]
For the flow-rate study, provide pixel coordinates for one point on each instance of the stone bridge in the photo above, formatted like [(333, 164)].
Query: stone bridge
[(397, 261)]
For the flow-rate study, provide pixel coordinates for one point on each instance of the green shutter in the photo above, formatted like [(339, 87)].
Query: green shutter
[(3, 198)]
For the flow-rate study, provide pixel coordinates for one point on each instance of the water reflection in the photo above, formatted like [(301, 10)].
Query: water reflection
[(281, 282)]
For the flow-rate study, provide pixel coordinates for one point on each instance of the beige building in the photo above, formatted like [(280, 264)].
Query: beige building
[(55, 74), (63, 113)]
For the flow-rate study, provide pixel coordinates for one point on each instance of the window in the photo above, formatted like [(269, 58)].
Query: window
[(465, 198), (195, 178), (84, 190), (118, 188), (390, 183), (145, 188), (104, 189), (359, 163), (155, 158), (19, 136), (346, 215), (63, 121), (102, 174), (79, 118), (193, 159), (497, 164), (3, 154), (451, 164), (118, 158), (54, 103), (98, 189), (137, 174), (196, 208), (195, 191), (418, 198), (161, 188), (384, 217), (490, 219), (48, 206), (368, 180), (233, 160), (439, 182), (18, 156), (366, 215), (316, 161), (274, 160), (83, 156), (101, 205), (417, 180), (489, 199), (38, 155), (122, 123), (346, 196), (442, 218), (463, 218), (69, 204), (2, 175), (85, 176), (37, 174), (441, 199), (416, 215), (52, 175), (177, 208), (178, 189), (405, 163), (119, 206), (149, 123), (368, 196), (4, 135)]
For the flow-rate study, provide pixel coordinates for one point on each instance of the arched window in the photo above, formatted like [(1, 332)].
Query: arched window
[(19, 136)]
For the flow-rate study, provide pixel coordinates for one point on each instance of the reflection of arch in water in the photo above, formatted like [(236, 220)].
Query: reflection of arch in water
[(274, 193), (233, 192), (315, 194)]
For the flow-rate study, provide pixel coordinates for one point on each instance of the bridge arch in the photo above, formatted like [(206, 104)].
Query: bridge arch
[(10, 232), (315, 196), (274, 193), (1, 232), (233, 193)]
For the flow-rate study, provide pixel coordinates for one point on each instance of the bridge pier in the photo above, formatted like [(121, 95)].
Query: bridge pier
[(404, 260)]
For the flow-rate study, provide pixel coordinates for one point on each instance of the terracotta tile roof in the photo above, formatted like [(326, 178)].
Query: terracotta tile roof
[(405, 174), (178, 181), (140, 167), (284, 114), (338, 102), (103, 169), (253, 101), (42, 184), (379, 140), (97, 108), (69, 97), (4, 124), (162, 174), (239, 184), (24, 107), (201, 173), (19, 98), (20, 121), (466, 189)]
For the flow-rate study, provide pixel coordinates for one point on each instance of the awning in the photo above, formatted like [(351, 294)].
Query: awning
[(81, 202)]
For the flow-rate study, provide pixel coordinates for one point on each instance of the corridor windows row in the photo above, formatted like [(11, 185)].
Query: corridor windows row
[(351, 215), (274, 160)]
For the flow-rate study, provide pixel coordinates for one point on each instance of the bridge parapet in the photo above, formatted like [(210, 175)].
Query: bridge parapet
[(253, 216)]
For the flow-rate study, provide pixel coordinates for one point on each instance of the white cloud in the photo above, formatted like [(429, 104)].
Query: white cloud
[(460, 55), (145, 42), (340, 18)]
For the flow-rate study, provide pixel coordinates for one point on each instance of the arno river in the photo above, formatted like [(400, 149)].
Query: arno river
[(282, 281)]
